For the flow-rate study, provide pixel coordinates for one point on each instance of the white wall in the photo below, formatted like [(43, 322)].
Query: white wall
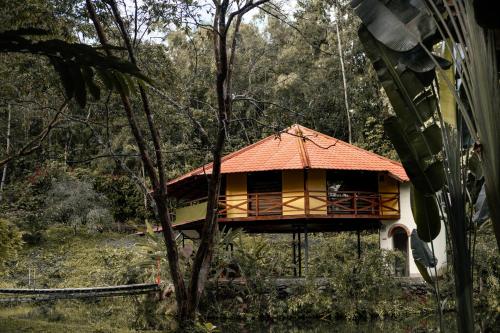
[(407, 221)]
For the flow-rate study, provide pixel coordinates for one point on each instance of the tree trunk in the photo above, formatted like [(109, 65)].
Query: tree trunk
[(7, 151), (156, 175), (201, 264), (187, 299), (341, 55)]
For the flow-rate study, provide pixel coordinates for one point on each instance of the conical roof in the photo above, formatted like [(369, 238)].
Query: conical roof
[(299, 147)]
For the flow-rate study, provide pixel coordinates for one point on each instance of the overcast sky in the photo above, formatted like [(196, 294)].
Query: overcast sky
[(287, 6)]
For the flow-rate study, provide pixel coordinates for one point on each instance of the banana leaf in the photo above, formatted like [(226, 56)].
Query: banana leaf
[(422, 256), (408, 91), (424, 273), (399, 25), (426, 215), (481, 209), (427, 177), (419, 61), (447, 101)]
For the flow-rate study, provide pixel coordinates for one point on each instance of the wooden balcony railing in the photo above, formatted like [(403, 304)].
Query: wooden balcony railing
[(341, 204)]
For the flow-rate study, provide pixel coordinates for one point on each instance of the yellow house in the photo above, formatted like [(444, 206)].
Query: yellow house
[(300, 177), (303, 181)]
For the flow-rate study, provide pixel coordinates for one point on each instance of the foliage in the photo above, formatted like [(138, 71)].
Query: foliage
[(287, 71), (75, 63), (84, 260), (54, 195), (349, 288), (487, 276), (126, 201), (352, 289), (427, 125), (75, 203), (10, 241), (375, 139)]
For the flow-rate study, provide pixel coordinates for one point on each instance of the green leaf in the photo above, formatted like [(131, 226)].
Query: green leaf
[(421, 252), (65, 76), (422, 256), (427, 178), (434, 138), (130, 82), (149, 228), (481, 209), (412, 100), (426, 214), (424, 272), (106, 78), (121, 83), (88, 75), (79, 82), (68, 54), (398, 25)]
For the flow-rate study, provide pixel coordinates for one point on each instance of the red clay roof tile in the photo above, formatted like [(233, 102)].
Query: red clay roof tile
[(298, 147)]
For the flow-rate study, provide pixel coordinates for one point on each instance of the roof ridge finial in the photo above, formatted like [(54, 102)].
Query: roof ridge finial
[(298, 131)]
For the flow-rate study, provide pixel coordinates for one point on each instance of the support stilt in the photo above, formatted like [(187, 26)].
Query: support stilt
[(359, 244), (300, 254), (294, 246), (306, 250)]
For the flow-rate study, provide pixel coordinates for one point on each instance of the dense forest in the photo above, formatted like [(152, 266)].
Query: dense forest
[(285, 73), (75, 186)]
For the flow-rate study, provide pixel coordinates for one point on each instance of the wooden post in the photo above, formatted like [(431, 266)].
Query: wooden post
[(306, 249), (294, 244), (256, 204), (355, 199), (300, 254), (359, 244), (306, 193), (158, 269)]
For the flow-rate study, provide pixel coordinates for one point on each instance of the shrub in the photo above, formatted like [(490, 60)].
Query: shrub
[(10, 241)]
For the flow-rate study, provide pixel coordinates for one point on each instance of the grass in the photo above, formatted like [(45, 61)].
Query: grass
[(64, 259)]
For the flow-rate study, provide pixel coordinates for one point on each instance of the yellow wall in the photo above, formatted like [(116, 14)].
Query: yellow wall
[(293, 187), (236, 194), (316, 185), (388, 184), (191, 213)]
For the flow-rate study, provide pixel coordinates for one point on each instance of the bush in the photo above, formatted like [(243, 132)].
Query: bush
[(10, 241), (348, 287)]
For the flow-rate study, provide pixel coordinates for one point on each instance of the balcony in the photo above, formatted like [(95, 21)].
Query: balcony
[(296, 205)]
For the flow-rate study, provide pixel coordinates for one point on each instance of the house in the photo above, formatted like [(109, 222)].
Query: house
[(303, 181)]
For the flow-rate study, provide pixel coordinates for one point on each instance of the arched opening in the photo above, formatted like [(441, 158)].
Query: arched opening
[(400, 243)]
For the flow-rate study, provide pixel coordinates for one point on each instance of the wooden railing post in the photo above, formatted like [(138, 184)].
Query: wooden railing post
[(355, 203), (306, 198), (256, 204), (379, 204)]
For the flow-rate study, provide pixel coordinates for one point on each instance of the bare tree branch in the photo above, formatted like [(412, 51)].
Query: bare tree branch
[(36, 143)]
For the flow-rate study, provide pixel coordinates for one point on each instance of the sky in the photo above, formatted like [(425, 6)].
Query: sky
[(287, 6)]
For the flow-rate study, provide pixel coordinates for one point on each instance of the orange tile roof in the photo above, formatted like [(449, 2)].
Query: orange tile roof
[(298, 147)]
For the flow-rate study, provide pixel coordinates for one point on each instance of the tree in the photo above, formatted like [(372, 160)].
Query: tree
[(427, 126), (224, 54)]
